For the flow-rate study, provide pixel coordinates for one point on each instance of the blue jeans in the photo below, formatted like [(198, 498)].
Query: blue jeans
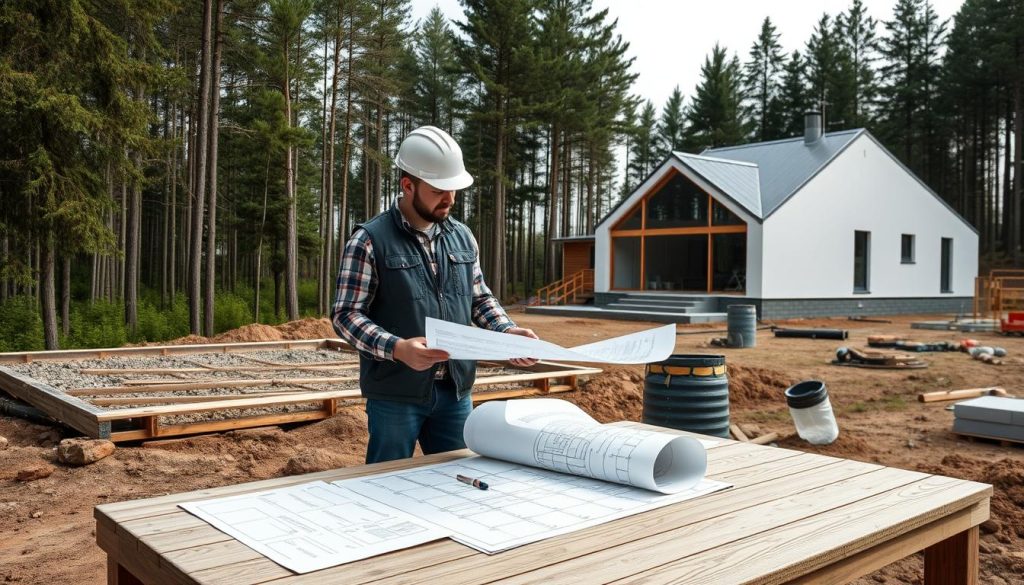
[(396, 426)]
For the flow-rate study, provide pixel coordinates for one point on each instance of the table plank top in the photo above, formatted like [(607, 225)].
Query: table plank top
[(788, 514)]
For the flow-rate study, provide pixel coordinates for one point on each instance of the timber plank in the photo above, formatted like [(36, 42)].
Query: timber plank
[(69, 410), (598, 554), (792, 549), (870, 560), (256, 402), (219, 425), (780, 472), (157, 350)]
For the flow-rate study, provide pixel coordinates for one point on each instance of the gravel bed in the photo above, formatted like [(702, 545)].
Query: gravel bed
[(64, 375)]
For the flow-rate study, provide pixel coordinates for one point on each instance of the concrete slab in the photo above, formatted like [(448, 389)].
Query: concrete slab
[(993, 409), (962, 325), (598, 313), (991, 430)]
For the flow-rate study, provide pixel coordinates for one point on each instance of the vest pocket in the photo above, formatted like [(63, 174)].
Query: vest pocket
[(461, 271), (405, 270)]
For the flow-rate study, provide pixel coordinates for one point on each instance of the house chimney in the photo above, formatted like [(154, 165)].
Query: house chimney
[(812, 126)]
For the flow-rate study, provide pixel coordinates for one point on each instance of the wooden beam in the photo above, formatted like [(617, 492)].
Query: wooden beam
[(267, 368), (960, 394), (69, 410), (158, 350), (180, 399), (953, 561), (205, 384), (256, 402), (221, 425)]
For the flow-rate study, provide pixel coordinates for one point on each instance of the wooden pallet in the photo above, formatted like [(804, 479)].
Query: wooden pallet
[(1003, 441), (146, 417)]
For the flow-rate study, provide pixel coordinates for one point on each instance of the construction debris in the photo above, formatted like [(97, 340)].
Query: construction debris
[(867, 358), (897, 342), (868, 320)]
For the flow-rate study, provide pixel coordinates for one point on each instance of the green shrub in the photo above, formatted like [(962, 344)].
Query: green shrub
[(21, 326), (97, 324), (230, 311)]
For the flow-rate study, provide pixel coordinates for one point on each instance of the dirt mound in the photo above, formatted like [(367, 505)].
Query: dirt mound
[(311, 328), (750, 385), (187, 340), (617, 394), (849, 445), (250, 332)]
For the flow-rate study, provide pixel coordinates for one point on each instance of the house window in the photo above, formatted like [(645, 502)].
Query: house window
[(861, 261), (907, 249), (946, 269)]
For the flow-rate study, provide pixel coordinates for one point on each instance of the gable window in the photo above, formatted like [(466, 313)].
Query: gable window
[(861, 261), (946, 267), (907, 249)]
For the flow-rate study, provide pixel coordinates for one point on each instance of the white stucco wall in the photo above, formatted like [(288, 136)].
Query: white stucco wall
[(808, 242), (602, 243)]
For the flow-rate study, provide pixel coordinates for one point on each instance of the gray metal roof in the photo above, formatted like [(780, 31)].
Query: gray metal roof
[(736, 179), (783, 166)]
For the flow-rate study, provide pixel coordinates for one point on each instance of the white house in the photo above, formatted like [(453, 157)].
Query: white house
[(826, 224)]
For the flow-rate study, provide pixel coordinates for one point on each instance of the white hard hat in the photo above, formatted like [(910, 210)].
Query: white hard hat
[(430, 154)]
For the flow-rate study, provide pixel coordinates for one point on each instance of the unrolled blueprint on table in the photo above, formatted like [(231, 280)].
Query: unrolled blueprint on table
[(550, 469), (314, 525), (464, 342), (522, 505)]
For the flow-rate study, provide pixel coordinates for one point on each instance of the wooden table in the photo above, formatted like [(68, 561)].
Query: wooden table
[(792, 517)]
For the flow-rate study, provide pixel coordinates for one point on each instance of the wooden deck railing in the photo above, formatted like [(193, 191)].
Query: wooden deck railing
[(566, 290)]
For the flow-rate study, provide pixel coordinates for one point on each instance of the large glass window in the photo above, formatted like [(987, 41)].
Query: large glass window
[(626, 262), (729, 262), (676, 262), (720, 215), (677, 204), (631, 221), (861, 260)]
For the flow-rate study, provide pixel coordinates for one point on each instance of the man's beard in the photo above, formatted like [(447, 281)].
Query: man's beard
[(436, 215)]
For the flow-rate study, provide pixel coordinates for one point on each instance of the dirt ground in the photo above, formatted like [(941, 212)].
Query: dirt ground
[(48, 535)]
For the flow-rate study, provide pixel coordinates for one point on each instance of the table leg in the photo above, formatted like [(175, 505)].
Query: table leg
[(953, 561), (118, 575)]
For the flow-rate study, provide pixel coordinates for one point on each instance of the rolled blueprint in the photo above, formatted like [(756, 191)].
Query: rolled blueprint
[(557, 435)]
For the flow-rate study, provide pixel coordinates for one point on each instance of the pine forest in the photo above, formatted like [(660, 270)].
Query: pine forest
[(170, 167)]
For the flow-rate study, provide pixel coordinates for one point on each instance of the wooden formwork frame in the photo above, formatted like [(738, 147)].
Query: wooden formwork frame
[(143, 422)]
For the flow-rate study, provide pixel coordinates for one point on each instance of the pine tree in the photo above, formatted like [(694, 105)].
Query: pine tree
[(761, 82), (715, 117), (911, 53), (671, 125), (793, 96), (644, 154), (437, 85), (830, 74), (858, 37)]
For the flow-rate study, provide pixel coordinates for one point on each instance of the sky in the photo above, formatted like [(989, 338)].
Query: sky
[(670, 38)]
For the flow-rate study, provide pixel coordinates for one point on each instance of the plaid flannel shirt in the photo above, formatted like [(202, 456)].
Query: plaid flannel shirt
[(357, 283)]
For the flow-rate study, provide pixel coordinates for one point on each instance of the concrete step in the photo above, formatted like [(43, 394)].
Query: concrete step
[(656, 308), (600, 313), (640, 301)]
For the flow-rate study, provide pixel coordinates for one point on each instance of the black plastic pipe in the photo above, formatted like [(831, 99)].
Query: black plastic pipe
[(813, 333)]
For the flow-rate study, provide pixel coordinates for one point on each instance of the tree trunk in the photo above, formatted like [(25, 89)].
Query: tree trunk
[(291, 243), (199, 184), (346, 143), (49, 301), (497, 274), (65, 295), (326, 263), (214, 132), (257, 276), (1018, 169), (551, 265)]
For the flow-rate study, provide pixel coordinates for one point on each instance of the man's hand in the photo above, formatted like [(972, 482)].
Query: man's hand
[(522, 362), (414, 353)]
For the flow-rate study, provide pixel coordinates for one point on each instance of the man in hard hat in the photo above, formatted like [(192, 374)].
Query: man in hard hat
[(411, 262)]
